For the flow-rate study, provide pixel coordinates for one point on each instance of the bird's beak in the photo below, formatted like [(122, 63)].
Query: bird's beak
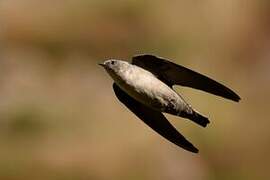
[(101, 64)]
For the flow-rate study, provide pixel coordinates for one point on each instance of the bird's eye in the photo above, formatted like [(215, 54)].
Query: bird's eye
[(112, 62)]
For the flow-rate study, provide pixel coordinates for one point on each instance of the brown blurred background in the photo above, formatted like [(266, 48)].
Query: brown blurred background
[(59, 118)]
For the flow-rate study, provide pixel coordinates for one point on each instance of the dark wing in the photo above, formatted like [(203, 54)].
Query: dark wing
[(156, 120), (171, 74)]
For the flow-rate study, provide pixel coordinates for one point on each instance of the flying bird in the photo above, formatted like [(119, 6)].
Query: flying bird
[(145, 87)]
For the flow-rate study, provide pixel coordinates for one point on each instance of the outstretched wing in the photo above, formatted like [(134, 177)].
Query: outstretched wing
[(156, 120), (171, 74)]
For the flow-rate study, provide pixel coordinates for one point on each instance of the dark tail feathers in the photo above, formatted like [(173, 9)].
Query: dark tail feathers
[(197, 118)]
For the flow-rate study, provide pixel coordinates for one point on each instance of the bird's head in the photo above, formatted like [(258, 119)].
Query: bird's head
[(110, 64), (115, 67)]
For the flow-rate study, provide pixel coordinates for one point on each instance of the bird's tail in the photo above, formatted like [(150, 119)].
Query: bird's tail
[(196, 117)]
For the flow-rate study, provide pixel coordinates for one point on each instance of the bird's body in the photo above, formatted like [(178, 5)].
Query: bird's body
[(145, 87)]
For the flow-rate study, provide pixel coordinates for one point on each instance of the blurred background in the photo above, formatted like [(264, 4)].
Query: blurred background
[(59, 118)]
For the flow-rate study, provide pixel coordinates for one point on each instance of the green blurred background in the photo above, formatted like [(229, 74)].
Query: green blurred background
[(59, 118)]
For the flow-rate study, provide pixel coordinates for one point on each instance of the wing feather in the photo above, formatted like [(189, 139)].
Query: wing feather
[(174, 74), (154, 119)]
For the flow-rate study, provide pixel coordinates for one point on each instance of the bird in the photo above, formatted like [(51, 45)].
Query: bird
[(145, 87)]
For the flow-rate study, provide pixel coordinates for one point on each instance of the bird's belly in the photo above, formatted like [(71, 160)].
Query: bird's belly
[(151, 92)]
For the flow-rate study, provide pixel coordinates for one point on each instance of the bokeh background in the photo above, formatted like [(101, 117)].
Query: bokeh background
[(59, 118)]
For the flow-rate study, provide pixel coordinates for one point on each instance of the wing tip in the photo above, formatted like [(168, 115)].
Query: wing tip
[(235, 98), (189, 148), (194, 150)]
